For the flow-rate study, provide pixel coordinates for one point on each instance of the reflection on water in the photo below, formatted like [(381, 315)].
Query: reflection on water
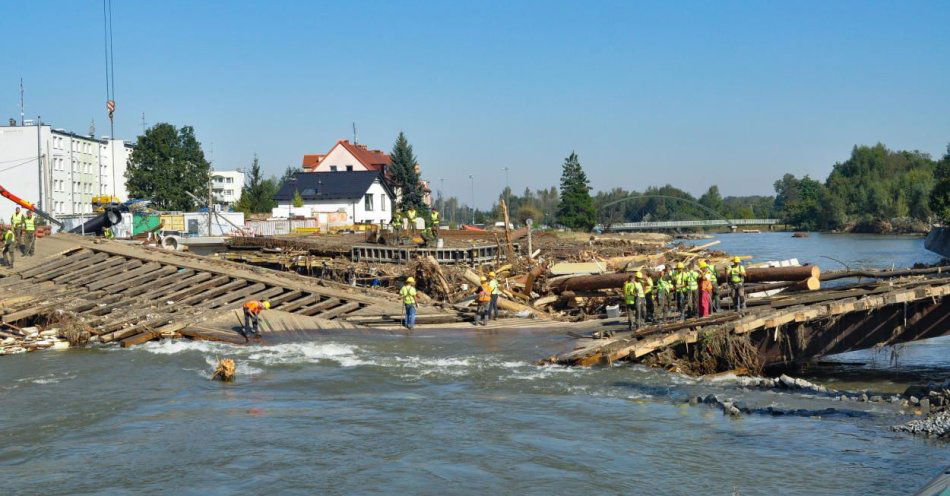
[(465, 413)]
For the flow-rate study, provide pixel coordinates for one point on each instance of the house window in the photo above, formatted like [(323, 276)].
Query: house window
[(332, 168), (368, 202), (382, 202), (349, 168)]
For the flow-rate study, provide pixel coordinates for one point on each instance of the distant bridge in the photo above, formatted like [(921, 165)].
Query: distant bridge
[(685, 224)]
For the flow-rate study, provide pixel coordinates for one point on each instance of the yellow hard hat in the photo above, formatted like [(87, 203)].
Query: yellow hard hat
[(266, 305), (702, 264), (411, 280), (483, 278), (679, 265), (491, 274), (639, 275), (736, 259)]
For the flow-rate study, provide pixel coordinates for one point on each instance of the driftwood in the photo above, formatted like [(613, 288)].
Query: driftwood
[(810, 284), (882, 274), (504, 303), (766, 274)]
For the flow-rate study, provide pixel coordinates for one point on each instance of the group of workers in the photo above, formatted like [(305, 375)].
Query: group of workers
[(692, 291), (22, 228), (486, 298), (407, 219)]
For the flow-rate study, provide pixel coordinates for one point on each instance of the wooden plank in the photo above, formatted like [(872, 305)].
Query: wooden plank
[(277, 301), (263, 295), (233, 295), (300, 302), (68, 268), (148, 278), (168, 284), (105, 282), (55, 263), (142, 337), (319, 306), (195, 288), (338, 311), (214, 291), (131, 264), (105, 264)]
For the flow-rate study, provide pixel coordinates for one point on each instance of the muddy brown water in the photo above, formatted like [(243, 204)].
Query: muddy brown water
[(458, 413)]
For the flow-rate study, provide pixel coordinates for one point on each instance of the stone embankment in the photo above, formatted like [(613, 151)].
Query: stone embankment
[(933, 400)]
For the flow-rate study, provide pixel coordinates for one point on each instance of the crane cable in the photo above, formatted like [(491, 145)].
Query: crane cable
[(110, 79)]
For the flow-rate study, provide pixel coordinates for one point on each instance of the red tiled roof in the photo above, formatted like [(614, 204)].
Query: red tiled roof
[(371, 159)]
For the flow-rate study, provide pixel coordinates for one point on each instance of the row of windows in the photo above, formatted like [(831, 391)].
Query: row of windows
[(368, 202), (61, 207), (333, 168), (77, 187), (226, 180)]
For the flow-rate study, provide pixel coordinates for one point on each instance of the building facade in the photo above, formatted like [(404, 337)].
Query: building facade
[(60, 171), (363, 197), (226, 186)]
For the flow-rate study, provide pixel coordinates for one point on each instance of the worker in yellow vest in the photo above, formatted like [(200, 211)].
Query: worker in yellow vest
[(678, 277), (483, 298), (692, 291), (408, 294), (710, 274), (736, 275), (16, 222), (28, 240), (9, 244), (630, 299), (664, 295), (396, 222), (647, 283), (495, 293), (411, 217)]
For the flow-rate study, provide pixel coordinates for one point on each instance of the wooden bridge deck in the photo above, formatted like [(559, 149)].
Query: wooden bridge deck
[(800, 328), (130, 294)]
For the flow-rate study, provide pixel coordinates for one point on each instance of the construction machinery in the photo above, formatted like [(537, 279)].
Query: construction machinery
[(29, 206)]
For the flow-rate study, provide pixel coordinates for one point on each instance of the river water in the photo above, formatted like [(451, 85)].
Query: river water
[(444, 413)]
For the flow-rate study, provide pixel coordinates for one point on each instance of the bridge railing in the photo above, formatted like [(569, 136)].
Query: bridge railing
[(674, 224)]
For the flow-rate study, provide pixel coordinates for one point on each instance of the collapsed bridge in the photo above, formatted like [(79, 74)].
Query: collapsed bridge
[(787, 329)]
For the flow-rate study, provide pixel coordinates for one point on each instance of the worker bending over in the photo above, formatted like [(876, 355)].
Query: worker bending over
[(483, 297), (408, 293), (28, 239), (495, 293), (252, 317), (9, 244), (736, 274)]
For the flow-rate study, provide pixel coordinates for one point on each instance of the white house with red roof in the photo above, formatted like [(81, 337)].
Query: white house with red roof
[(353, 157), (346, 156)]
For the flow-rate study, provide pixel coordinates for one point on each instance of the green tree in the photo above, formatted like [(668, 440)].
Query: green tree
[(940, 196), (257, 197), (404, 172), (576, 209), (298, 200), (712, 199), (166, 164)]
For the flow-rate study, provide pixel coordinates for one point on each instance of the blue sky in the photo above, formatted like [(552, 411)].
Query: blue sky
[(647, 93)]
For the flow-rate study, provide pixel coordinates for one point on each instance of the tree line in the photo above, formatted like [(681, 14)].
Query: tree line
[(875, 190)]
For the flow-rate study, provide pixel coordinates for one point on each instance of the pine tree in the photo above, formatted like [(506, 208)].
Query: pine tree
[(576, 209), (404, 174), (166, 163), (298, 200), (258, 194)]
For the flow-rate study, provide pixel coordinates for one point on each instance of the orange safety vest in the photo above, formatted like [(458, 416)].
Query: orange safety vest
[(484, 295), (253, 307)]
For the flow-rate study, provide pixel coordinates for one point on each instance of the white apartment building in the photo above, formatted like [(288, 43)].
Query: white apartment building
[(226, 186), (58, 170)]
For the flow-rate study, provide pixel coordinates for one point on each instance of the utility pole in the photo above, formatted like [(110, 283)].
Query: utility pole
[(506, 185), (472, 178), (39, 150), (21, 102), (210, 197)]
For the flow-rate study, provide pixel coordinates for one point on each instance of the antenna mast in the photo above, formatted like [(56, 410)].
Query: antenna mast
[(355, 136), (21, 101)]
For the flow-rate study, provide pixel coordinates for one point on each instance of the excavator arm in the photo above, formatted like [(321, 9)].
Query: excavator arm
[(29, 206)]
